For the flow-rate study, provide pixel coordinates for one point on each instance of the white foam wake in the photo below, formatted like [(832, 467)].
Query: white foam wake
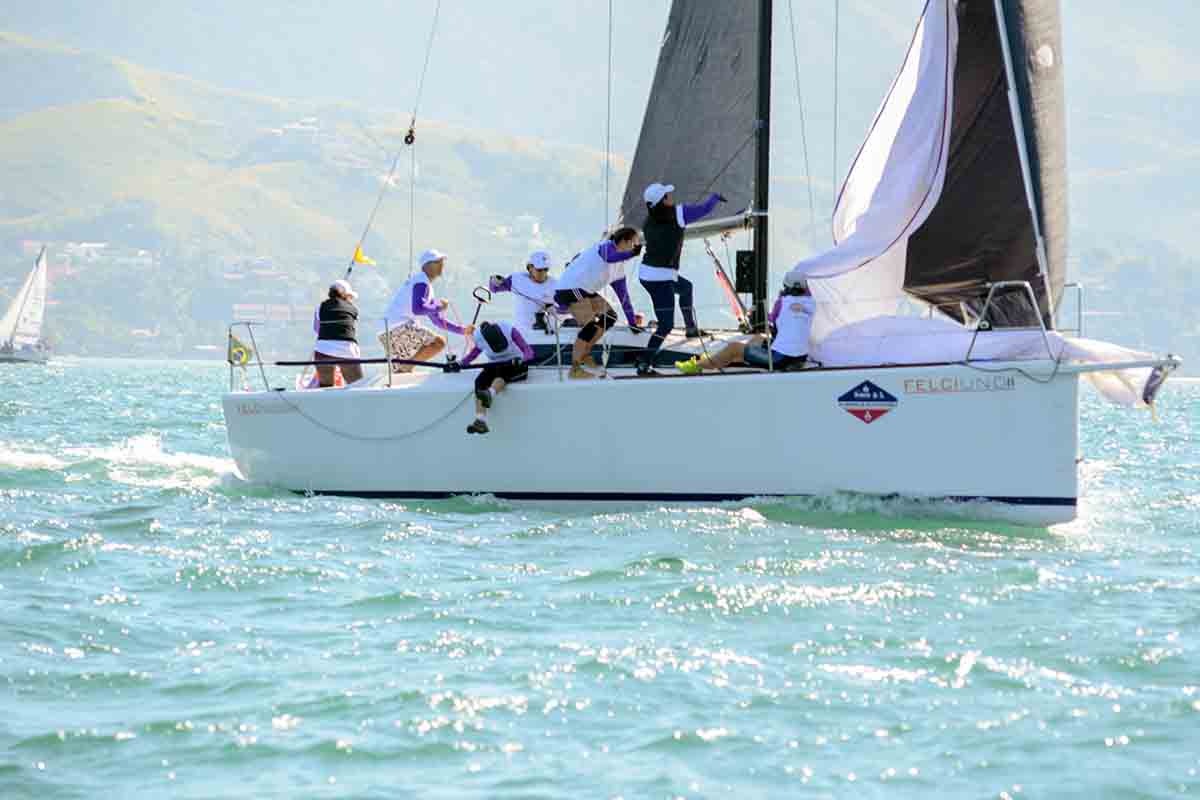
[(146, 450), (139, 461), (24, 460)]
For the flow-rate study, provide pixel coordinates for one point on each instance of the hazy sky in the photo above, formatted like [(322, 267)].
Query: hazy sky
[(539, 68)]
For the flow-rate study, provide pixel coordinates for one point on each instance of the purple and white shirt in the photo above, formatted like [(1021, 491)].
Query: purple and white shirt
[(529, 297), (517, 346), (598, 266), (792, 316), (416, 299)]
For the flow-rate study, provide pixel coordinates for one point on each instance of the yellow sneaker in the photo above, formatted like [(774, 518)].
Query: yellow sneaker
[(689, 367), (579, 373)]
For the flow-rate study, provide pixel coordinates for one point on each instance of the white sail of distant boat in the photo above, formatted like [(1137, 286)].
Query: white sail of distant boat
[(935, 310), (21, 325)]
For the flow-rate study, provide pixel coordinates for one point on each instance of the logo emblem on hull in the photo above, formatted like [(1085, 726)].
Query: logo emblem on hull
[(867, 402)]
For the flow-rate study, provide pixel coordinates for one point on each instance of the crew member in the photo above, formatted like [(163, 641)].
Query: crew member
[(659, 273), (335, 324), (508, 355), (533, 292), (410, 340), (602, 264), (791, 317)]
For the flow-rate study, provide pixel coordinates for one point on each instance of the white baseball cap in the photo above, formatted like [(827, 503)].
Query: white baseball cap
[(540, 259), (655, 192), (429, 256), (345, 288)]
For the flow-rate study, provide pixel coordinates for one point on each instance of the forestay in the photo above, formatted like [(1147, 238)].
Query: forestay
[(699, 128)]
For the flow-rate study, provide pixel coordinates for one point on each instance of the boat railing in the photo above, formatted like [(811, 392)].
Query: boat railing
[(1077, 289), (266, 345), (252, 357), (274, 344), (983, 324)]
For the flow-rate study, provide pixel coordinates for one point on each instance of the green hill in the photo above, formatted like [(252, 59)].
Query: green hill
[(207, 180), (194, 169), (239, 198)]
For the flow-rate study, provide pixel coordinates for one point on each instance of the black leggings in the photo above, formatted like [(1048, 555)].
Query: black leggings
[(505, 370), (662, 297)]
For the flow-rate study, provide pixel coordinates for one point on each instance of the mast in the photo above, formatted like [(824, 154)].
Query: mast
[(762, 168), (1014, 105)]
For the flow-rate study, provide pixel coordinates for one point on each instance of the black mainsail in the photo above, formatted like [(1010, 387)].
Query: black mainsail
[(699, 131)]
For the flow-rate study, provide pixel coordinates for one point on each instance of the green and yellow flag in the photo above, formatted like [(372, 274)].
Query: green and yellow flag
[(359, 258), (239, 352)]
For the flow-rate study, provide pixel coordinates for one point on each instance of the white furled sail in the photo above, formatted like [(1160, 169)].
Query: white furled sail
[(893, 186), (21, 324)]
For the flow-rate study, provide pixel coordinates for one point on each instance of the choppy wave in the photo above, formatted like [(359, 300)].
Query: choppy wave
[(218, 638), (146, 450), (14, 459)]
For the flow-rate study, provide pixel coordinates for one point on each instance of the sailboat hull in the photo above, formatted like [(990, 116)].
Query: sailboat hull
[(22, 358), (945, 432)]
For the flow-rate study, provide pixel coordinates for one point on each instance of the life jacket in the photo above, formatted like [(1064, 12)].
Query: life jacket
[(337, 319), (664, 238)]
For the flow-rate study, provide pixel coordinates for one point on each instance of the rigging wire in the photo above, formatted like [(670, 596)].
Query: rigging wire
[(837, 14), (410, 139), (812, 213), (606, 345), (608, 120), (412, 203)]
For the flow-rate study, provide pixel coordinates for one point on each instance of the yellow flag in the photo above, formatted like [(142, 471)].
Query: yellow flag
[(239, 353), (359, 258)]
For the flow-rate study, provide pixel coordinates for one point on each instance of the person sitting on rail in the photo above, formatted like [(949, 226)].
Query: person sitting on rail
[(579, 289), (791, 317), (409, 339), (508, 357), (335, 323), (533, 292)]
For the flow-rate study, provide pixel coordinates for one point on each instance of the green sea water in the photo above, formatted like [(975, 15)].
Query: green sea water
[(167, 630)]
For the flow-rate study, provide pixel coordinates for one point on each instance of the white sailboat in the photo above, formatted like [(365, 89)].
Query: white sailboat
[(21, 326), (935, 311)]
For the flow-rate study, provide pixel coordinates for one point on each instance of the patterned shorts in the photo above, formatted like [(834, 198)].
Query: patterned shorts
[(407, 339)]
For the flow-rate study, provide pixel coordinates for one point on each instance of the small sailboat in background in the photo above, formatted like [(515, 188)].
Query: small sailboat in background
[(21, 326)]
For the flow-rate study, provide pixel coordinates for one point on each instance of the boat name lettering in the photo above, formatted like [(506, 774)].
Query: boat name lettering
[(254, 408), (957, 385)]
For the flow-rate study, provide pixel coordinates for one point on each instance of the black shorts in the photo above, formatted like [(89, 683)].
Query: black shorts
[(568, 297), (507, 371), (756, 356)]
